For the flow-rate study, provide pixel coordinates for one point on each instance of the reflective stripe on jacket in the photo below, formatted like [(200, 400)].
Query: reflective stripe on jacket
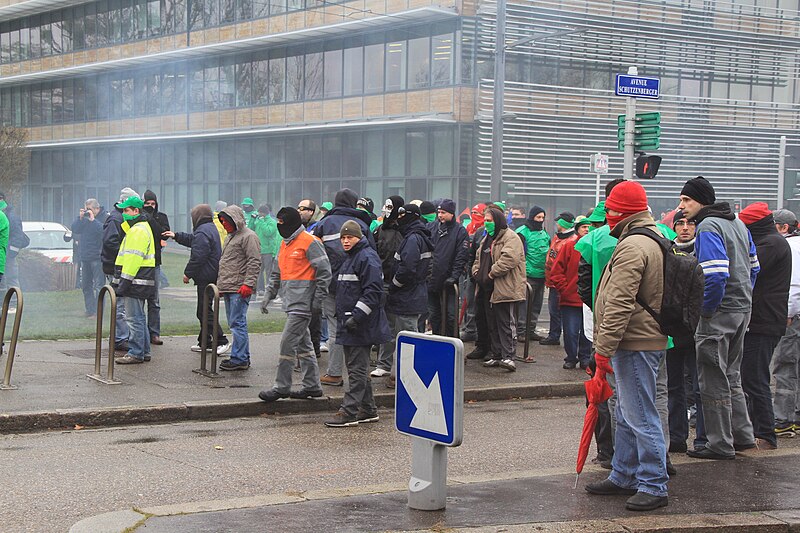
[(135, 271), (301, 274)]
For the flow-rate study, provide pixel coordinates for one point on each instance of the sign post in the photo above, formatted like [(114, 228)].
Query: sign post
[(429, 407), (633, 86), (599, 165)]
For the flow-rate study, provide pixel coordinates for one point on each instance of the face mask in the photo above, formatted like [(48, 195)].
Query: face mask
[(387, 209), (614, 220), (248, 208), (128, 217), (430, 217), (537, 225), (489, 228), (150, 209), (518, 221), (285, 230)]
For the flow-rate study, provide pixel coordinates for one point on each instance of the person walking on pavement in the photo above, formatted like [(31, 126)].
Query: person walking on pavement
[(112, 238), (786, 365), (408, 287), (565, 231), (135, 276), (159, 223), (267, 230), (302, 275), (88, 228), (328, 230), (537, 243), (499, 268), (629, 344), (239, 266), (360, 321), (17, 240), (727, 255), (767, 321), (450, 252), (203, 269)]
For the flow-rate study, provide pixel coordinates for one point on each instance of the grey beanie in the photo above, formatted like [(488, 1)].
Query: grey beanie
[(220, 205), (126, 193), (784, 216)]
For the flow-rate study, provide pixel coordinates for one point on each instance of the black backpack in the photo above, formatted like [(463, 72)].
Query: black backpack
[(684, 285)]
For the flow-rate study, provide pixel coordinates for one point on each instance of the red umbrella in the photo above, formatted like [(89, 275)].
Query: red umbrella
[(597, 391)]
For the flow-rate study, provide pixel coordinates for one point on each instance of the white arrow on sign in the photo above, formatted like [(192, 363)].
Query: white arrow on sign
[(430, 406)]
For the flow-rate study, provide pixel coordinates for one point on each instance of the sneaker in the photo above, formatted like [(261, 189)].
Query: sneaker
[(223, 348), (367, 418), (333, 381), (379, 373), (491, 362), (128, 360), (477, 353), (272, 395), (549, 342), (229, 365), (196, 348), (305, 394), (147, 358), (508, 364), (341, 420), (323, 347), (786, 432)]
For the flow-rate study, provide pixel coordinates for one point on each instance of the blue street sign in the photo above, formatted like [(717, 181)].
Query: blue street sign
[(637, 86), (429, 399)]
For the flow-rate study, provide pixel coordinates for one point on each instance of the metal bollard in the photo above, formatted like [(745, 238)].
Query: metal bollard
[(443, 303), (529, 309), (203, 370), (12, 291), (97, 376)]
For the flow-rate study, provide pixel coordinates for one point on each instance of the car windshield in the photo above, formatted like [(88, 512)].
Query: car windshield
[(47, 240)]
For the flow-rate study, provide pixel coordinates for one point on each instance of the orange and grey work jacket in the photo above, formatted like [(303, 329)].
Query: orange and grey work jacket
[(301, 273)]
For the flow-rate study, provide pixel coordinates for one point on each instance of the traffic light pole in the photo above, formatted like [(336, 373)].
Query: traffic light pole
[(630, 126), (782, 172), (498, 105)]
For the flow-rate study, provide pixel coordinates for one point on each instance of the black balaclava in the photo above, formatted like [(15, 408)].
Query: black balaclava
[(397, 202), (535, 225), (412, 213), (345, 198), (150, 195), (288, 221)]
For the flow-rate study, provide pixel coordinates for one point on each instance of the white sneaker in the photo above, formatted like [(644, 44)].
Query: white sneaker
[(323, 347), (196, 348), (508, 364), (379, 373), (223, 348)]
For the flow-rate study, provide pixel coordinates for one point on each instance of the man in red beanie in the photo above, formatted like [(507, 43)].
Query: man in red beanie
[(629, 340), (767, 320)]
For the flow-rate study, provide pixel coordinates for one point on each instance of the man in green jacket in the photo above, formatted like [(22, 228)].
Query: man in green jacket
[(536, 242), (266, 228)]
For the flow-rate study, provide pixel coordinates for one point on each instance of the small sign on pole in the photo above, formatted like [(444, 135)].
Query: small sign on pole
[(599, 163)]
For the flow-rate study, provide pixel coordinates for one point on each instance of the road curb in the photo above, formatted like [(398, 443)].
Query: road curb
[(30, 421)]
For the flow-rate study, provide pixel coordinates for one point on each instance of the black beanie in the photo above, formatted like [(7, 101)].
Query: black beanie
[(150, 195), (448, 205), (535, 210), (677, 217), (288, 221), (426, 208), (699, 190)]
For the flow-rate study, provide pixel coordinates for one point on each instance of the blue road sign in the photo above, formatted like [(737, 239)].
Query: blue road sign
[(429, 398), (637, 86)]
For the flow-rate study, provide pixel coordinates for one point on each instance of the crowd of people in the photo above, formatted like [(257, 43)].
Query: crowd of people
[(349, 280)]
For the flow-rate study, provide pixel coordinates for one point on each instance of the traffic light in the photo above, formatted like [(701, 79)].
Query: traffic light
[(646, 133), (647, 166)]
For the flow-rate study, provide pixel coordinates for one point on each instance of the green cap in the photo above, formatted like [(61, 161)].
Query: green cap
[(131, 201), (248, 201), (599, 213), (501, 205), (581, 220), (327, 206)]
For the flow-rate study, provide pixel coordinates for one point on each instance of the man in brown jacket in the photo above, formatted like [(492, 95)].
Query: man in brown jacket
[(499, 268), (238, 272), (627, 335)]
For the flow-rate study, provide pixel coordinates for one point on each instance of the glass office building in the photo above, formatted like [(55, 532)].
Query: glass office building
[(201, 100)]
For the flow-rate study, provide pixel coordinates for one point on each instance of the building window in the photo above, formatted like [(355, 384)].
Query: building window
[(333, 72), (396, 65), (419, 62)]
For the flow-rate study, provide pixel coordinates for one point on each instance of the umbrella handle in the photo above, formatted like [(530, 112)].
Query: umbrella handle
[(574, 487)]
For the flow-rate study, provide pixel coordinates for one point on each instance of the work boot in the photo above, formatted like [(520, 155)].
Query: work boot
[(333, 381), (641, 501), (608, 488), (478, 353)]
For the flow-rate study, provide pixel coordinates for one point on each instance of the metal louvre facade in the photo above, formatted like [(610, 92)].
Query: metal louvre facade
[(729, 91)]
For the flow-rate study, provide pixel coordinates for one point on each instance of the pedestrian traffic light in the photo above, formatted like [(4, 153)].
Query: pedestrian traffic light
[(647, 166), (646, 132)]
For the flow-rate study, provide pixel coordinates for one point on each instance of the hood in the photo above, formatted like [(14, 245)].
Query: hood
[(350, 212), (200, 214), (418, 227), (499, 218), (345, 198), (642, 219), (150, 195), (236, 214), (397, 203), (718, 210), (764, 226), (477, 218)]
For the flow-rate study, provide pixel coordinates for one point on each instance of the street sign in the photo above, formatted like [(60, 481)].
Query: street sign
[(646, 131), (637, 86), (599, 163), (429, 399)]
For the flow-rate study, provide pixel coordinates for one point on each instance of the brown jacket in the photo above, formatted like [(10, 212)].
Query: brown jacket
[(636, 266), (508, 267), (241, 255)]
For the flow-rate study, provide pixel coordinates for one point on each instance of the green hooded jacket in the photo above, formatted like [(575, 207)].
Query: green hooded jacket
[(536, 245), (267, 230)]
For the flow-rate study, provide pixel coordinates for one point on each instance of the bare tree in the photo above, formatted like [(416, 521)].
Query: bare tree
[(15, 159)]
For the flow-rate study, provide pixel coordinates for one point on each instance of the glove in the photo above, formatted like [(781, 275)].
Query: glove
[(245, 291), (449, 282), (603, 364), (351, 324)]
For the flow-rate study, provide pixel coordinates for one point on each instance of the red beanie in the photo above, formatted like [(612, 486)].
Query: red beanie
[(628, 197), (754, 212)]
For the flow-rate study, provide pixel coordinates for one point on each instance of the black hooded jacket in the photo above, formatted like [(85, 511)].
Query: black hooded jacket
[(112, 238), (159, 223), (771, 291), (408, 288), (388, 238)]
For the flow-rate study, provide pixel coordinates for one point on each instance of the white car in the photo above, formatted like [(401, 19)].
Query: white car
[(47, 238)]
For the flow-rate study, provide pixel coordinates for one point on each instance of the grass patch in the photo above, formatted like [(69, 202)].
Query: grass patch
[(60, 315)]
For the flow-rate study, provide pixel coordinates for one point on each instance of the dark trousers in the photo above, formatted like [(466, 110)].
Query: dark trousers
[(537, 297), (435, 312), (502, 321), (576, 344), (315, 329), (678, 361), (482, 342), (554, 309), (756, 359), (602, 433), (358, 395), (221, 338)]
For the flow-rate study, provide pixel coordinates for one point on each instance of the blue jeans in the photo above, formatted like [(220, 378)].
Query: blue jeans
[(640, 451), (122, 333), (576, 344), (554, 309), (236, 313), (139, 339), (92, 280)]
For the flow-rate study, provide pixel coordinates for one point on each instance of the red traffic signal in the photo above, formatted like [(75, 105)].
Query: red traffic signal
[(647, 166)]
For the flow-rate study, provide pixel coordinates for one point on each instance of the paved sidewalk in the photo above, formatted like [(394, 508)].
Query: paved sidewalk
[(754, 493), (54, 391)]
